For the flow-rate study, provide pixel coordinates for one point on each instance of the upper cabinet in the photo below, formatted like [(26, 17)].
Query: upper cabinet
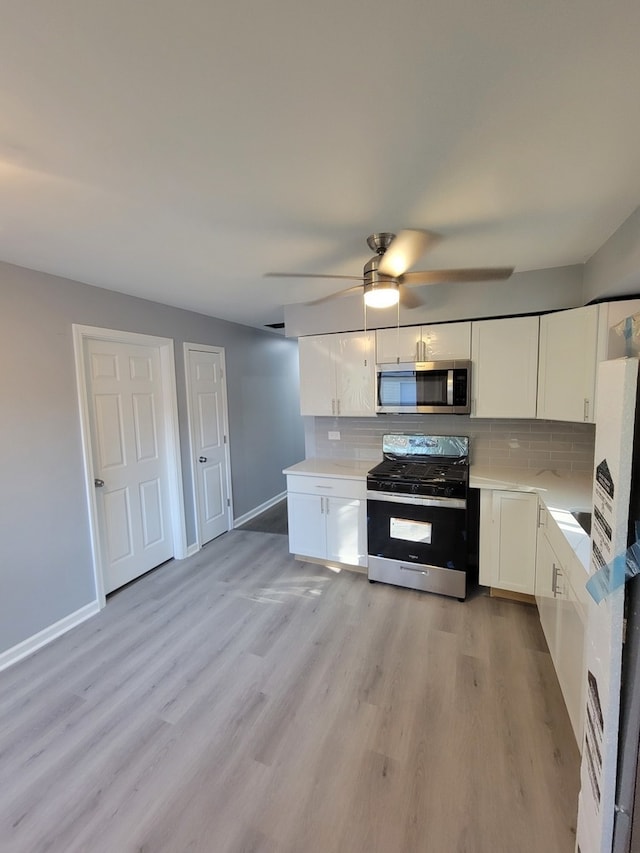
[(337, 374), (568, 364), (504, 368), (440, 342)]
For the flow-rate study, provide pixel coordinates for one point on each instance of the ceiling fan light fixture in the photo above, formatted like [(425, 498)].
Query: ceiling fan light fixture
[(381, 295)]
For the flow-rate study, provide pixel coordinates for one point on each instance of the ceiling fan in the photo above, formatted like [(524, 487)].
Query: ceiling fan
[(386, 277)]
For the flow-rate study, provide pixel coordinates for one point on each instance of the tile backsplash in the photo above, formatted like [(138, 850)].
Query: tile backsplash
[(513, 444)]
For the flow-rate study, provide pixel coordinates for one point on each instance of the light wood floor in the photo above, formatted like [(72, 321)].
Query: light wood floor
[(241, 701)]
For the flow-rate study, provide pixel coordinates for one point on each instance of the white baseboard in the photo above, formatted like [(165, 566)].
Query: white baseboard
[(192, 549), (31, 644), (257, 510)]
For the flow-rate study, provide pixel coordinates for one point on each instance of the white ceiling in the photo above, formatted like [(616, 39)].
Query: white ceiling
[(177, 151)]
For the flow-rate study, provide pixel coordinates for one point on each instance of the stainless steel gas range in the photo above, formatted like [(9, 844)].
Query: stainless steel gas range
[(417, 513)]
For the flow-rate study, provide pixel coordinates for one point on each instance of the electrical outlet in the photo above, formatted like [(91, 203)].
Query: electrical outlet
[(334, 435)]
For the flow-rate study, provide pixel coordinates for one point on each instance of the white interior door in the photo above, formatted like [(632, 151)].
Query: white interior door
[(208, 411), (124, 387)]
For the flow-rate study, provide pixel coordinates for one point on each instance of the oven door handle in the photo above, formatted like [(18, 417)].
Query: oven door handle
[(416, 500)]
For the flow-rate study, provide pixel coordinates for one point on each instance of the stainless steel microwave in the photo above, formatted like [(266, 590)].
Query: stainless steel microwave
[(425, 387)]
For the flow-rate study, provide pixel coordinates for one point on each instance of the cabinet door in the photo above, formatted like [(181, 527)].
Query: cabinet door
[(515, 521), (568, 362), (394, 346), (561, 620), (505, 368), (356, 374), (307, 529), (447, 341), (317, 375), (569, 660), (346, 531), (547, 591), (508, 528)]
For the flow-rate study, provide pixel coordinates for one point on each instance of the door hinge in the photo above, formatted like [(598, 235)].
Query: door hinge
[(224, 439), (228, 501)]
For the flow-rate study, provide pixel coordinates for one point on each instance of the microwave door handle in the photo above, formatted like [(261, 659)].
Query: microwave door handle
[(449, 387)]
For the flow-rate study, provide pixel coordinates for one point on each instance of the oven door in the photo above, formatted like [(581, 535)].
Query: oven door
[(424, 531)]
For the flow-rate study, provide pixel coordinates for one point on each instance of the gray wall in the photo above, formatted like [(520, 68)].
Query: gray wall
[(530, 292), (614, 270), (45, 560)]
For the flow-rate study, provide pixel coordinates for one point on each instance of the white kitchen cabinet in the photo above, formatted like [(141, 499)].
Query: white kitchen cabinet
[(504, 368), (508, 527), (317, 375), (337, 374), (395, 346), (568, 364), (307, 528), (438, 342), (562, 615), (547, 588), (328, 518)]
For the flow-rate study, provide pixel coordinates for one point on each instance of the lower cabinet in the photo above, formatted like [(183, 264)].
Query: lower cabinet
[(508, 522), (328, 518), (562, 615)]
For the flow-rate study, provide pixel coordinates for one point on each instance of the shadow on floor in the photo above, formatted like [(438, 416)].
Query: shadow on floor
[(272, 520)]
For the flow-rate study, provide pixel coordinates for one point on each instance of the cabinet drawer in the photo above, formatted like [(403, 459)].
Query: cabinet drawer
[(327, 486)]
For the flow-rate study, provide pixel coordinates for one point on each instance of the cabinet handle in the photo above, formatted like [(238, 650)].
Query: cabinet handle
[(338, 402), (333, 406), (557, 572), (321, 506), (586, 409), (326, 506)]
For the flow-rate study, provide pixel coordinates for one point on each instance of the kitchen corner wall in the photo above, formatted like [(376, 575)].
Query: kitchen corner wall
[(500, 443)]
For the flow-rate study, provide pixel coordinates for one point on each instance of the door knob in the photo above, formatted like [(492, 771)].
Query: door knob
[(202, 459), (98, 483)]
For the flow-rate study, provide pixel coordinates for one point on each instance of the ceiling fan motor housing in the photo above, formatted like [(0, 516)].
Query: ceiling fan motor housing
[(371, 275)]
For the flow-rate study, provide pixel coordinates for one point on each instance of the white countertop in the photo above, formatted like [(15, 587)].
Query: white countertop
[(349, 468), (561, 491)]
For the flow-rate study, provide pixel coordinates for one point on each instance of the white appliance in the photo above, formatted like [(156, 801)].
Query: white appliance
[(613, 466)]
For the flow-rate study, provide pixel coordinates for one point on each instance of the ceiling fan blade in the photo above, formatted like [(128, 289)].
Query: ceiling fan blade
[(310, 275), (405, 250), (452, 276), (336, 295), (409, 298)]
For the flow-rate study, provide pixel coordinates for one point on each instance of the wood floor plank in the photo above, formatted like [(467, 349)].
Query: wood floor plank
[(243, 701)]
